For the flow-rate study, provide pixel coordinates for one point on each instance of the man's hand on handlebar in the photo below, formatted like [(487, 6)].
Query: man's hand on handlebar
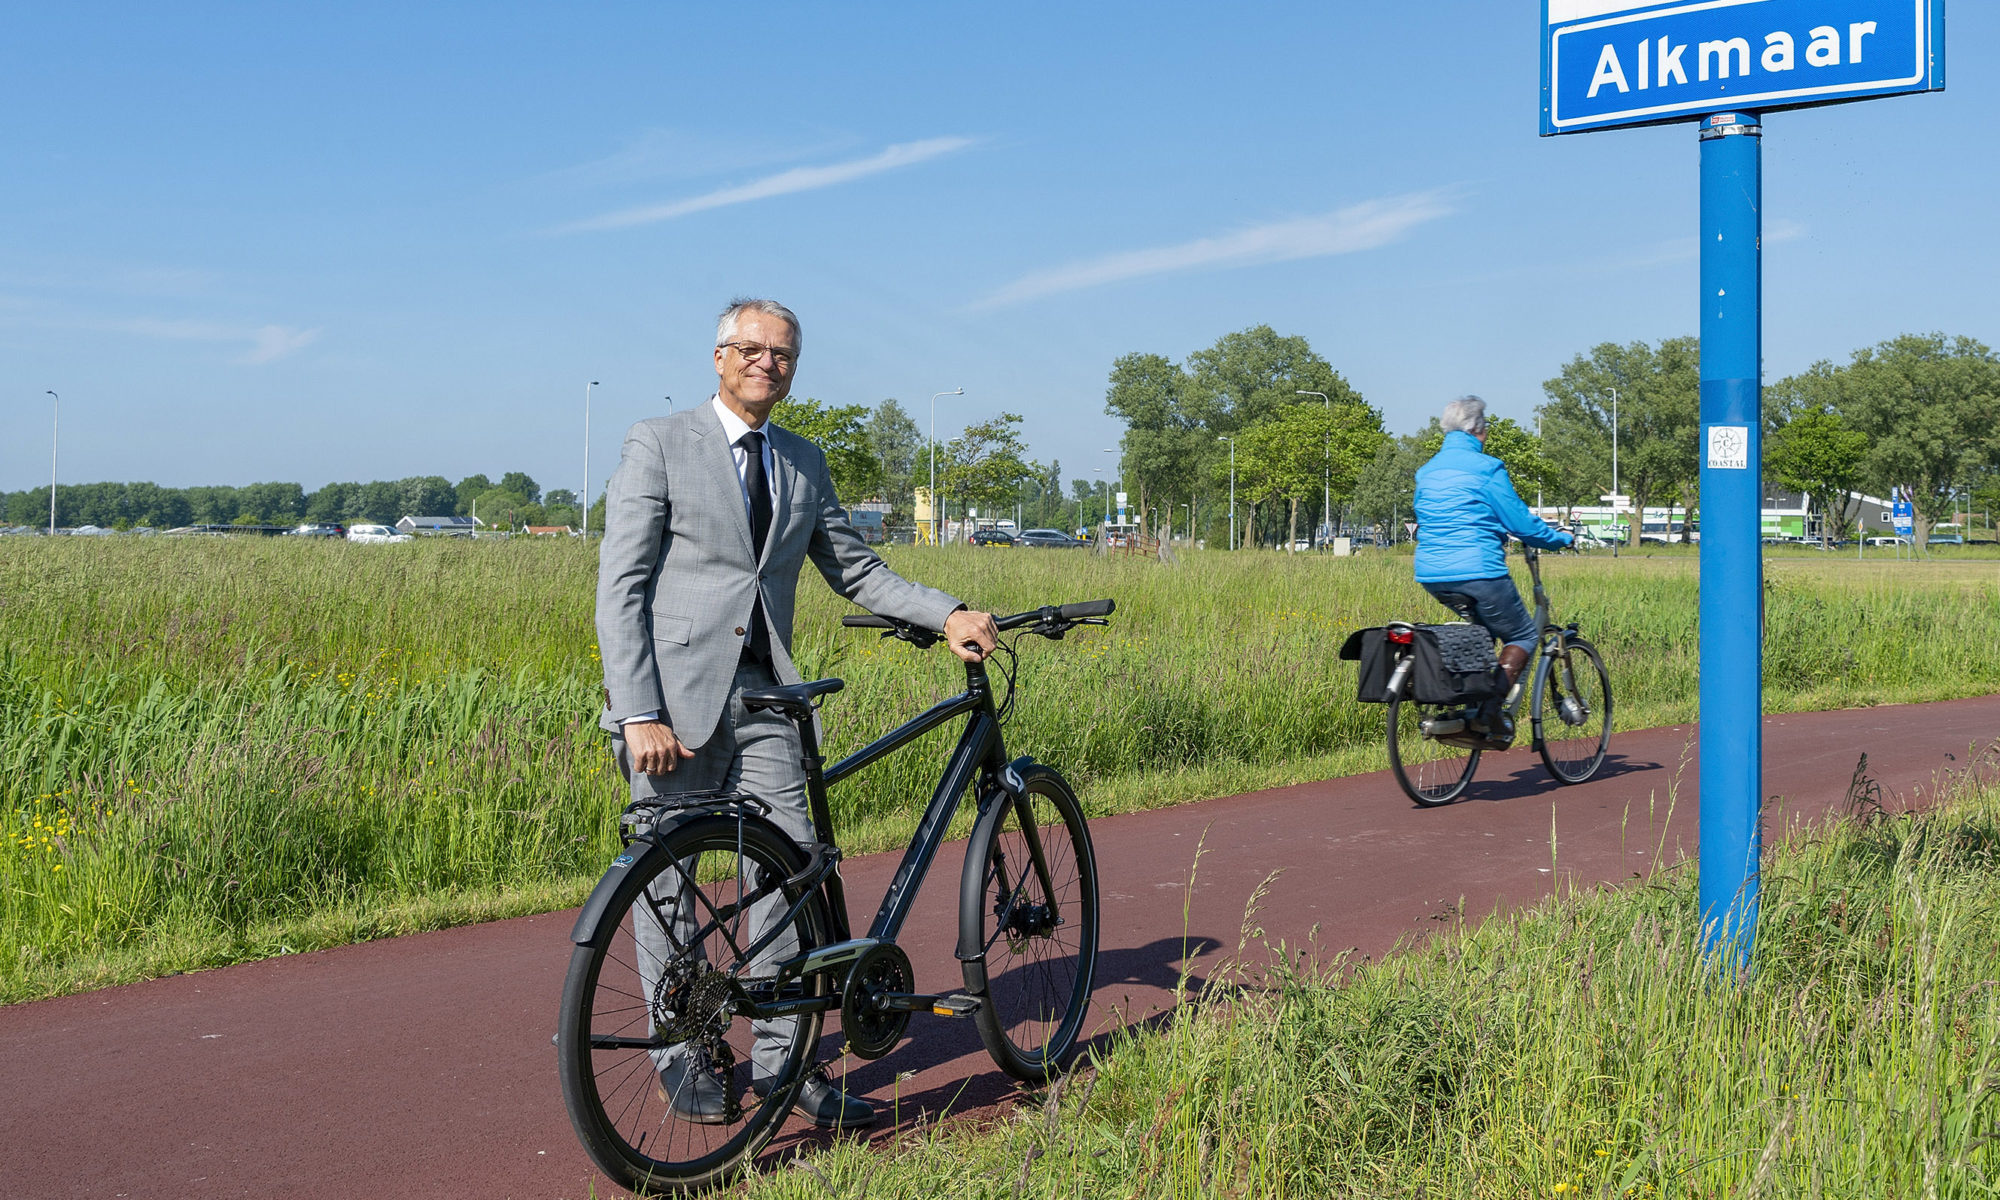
[(653, 748), (971, 635)]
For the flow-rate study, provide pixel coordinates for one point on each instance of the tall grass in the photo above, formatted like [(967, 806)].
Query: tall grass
[(1585, 1048), (212, 750)]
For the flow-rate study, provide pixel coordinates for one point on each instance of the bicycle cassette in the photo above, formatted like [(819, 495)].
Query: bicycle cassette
[(872, 1027)]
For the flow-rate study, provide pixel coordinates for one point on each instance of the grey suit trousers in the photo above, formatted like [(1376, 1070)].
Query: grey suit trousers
[(756, 753)]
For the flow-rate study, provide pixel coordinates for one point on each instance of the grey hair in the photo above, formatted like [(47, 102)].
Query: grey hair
[(725, 325), (1467, 413)]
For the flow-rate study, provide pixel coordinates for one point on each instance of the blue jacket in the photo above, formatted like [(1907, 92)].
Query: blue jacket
[(1466, 507)]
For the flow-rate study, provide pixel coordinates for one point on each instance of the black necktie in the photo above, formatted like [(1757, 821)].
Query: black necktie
[(759, 487), (760, 491)]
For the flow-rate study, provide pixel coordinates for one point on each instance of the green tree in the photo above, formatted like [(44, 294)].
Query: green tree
[(382, 502), (897, 444), (841, 433), (1926, 403), (433, 495), (503, 509), (467, 489), (984, 467), (1166, 442), (1659, 422), (1385, 491), (519, 483), (1815, 452), (1305, 449)]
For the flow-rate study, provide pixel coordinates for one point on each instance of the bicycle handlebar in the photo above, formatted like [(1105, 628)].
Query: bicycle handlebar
[(1047, 620)]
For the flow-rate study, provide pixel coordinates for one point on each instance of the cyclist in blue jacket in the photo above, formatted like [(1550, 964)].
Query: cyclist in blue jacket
[(1466, 508)]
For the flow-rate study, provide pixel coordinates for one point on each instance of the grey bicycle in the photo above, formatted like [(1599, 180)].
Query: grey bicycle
[(1434, 749)]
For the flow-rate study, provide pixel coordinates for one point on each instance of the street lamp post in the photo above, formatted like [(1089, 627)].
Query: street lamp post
[(933, 441), (1326, 486), (1232, 488), (583, 500), (55, 424), (1614, 472)]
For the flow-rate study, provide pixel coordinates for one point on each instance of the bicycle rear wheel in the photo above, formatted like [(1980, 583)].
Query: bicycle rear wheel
[(1430, 772), (1029, 897), (1573, 711), (649, 1025)]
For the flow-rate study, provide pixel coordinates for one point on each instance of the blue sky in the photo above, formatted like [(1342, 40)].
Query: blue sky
[(264, 242)]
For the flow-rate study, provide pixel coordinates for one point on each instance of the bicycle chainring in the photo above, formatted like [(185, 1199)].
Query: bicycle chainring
[(873, 1028)]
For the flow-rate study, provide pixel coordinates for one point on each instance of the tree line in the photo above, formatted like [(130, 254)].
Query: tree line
[(1915, 413), (514, 501)]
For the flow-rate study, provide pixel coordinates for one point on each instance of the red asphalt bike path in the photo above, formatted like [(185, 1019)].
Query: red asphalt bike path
[(422, 1066)]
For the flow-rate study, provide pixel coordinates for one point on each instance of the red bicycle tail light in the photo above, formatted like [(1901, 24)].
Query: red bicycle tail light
[(1403, 637)]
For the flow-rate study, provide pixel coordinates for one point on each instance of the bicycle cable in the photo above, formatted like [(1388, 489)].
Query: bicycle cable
[(1007, 671)]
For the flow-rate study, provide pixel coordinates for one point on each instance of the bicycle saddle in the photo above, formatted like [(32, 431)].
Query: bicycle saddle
[(793, 698)]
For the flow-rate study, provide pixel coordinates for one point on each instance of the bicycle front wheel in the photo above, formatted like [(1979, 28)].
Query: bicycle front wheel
[(658, 1064), (1029, 897), (1573, 710), (1430, 772)]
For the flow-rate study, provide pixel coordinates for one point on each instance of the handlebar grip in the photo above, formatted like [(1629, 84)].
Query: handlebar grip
[(867, 621), (1088, 608)]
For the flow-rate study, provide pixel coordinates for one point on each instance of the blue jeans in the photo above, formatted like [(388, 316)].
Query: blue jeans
[(1495, 604)]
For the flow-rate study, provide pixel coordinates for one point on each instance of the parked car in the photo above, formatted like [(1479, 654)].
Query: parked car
[(1945, 539), (324, 529), (1047, 539), (991, 537), (376, 533), (1889, 541)]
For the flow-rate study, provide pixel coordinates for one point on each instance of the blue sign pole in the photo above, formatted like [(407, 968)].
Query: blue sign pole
[(1732, 563)]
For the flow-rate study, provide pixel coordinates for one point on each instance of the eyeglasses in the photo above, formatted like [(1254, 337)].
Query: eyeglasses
[(752, 351)]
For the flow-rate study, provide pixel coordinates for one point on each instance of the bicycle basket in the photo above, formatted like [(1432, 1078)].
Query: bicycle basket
[(1454, 665)]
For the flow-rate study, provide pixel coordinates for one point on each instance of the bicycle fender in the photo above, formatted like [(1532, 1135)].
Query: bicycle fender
[(638, 854), (972, 884)]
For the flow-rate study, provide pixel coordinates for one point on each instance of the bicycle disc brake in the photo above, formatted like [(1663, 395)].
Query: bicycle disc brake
[(691, 1003), (871, 1026)]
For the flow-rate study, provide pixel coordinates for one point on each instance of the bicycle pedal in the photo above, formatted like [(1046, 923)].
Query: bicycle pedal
[(958, 1005)]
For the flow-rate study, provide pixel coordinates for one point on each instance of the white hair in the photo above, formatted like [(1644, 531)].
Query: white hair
[(1467, 413), (725, 325)]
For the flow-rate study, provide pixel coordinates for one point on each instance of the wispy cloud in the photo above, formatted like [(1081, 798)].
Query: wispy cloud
[(784, 183), (1344, 231), (259, 345), (656, 154)]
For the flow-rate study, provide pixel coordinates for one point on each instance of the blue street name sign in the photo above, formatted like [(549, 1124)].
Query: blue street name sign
[(1612, 63), (1904, 517)]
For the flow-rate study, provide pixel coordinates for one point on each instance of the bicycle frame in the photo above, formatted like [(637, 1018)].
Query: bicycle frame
[(981, 752)]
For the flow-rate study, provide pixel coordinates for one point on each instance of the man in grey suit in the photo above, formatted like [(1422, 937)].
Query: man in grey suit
[(709, 518)]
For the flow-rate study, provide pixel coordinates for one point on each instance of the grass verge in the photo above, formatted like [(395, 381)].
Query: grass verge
[(212, 749), (1581, 1048)]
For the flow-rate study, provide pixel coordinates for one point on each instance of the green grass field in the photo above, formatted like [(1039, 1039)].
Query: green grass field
[(1584, 1048), (219, 750)]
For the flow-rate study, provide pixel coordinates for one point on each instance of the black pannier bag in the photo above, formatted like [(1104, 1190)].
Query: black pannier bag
[(1370, 648), (1454, 664)]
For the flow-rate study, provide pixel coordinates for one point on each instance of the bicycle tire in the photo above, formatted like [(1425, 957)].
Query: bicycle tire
[(615, 1093), (1038, 938), (1429, 772), (1566, 707)]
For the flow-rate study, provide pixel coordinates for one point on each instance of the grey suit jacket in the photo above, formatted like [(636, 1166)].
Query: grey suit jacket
[(677, 580)]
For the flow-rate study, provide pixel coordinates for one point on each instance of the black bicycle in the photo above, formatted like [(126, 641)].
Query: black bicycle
[(1434, 749), (713, 926)]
